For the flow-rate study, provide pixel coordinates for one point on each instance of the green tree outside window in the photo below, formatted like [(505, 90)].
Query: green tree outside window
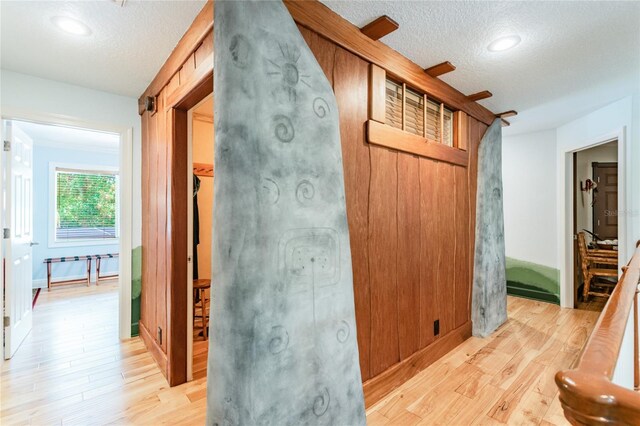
[(86, 205)]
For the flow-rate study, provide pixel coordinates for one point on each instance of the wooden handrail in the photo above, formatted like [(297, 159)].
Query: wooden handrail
[(587, 394)]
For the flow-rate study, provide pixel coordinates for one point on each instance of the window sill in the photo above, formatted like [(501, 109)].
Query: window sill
[(390, 137), (83, 243)]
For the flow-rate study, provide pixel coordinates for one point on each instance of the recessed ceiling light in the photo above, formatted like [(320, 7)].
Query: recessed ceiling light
[(71, 26), (504, 43)]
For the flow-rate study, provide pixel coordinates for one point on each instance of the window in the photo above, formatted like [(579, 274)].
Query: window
[(86, 204), (404, 119), (405, 109), (393, 104), (414, 112)]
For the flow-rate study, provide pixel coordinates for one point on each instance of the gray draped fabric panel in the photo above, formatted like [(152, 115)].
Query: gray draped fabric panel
[(283, 346), (489, 302)]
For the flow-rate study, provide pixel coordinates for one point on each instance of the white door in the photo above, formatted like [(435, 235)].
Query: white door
[(18, 217)]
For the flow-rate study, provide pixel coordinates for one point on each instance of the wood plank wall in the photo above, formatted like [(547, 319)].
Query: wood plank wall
[(411, 222), (155, 206), (164, 151)]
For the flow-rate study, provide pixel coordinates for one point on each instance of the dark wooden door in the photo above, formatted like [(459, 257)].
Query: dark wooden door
[(577, 270), (605, 204)]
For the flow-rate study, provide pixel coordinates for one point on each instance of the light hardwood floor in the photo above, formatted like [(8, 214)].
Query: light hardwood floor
[(73, 370), (200, 352), (507, 378)]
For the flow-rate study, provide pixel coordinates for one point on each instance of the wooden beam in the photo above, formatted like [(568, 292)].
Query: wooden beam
[(391, 137), (461, 132), (505, 123), (480, 95), (379, 28), (507, 114), (319, 18), (440, 69), (188, 44)]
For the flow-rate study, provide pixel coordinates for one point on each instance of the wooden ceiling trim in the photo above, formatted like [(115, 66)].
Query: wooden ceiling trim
[(507, 114), (319, 18), (379, 28), (480, 95), (188, 44), (438, 70)]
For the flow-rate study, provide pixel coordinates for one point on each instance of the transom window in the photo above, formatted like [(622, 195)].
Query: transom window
[(405, 110), (86, 204)]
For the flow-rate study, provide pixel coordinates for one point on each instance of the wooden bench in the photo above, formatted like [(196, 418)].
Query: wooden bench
[(86, 258)]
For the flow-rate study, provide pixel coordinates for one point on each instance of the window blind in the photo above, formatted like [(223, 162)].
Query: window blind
[(433, 121), (393, 104), (414, 114), (85, 205), (405, 109), (447, 127)]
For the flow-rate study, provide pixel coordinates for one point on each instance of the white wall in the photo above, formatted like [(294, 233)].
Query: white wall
[(621, 116), (529, 180), (37, 99), (615, 120), (526, 157)]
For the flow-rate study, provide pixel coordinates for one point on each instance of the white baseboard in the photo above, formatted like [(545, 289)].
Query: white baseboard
[(42, 283), (39, 283)]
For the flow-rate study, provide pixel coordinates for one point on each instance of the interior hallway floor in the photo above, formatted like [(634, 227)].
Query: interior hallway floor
[(72, 369), (507, 378)]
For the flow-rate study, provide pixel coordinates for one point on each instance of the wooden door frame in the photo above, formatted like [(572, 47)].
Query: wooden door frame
[(177, 229)]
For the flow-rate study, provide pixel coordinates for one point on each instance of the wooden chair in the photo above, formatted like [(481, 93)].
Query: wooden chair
[(596, 264), (200, 294)]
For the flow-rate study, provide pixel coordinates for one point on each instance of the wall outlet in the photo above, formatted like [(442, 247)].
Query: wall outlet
[(436, 327)]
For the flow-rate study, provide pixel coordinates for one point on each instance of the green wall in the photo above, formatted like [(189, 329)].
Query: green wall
[(136, 288), (533, 281)]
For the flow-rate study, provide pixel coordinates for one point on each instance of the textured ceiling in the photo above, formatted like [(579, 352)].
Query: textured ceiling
[(70, 137), (574, 56), (125, 51)]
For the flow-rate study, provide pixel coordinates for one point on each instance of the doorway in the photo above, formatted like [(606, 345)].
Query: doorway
[(69, 202), (595, 221), (200, 215)]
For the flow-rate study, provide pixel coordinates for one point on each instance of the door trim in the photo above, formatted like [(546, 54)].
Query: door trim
[(564, 214), (180, 290), (126, 191)]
